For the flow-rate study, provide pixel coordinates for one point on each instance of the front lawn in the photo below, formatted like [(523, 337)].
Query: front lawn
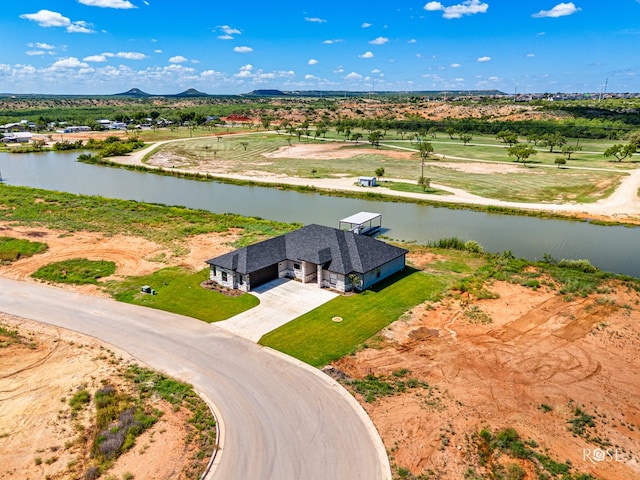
[(179, 291), (315, 338)]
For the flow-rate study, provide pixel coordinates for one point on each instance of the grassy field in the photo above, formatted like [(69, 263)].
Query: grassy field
[(539, 181), (316, 339), (11, 249), (179, 291), (159, 223), (77, 271)]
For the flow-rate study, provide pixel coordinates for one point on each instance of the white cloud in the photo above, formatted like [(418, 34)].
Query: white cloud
[(312, 61), (367, 25), (353, 76), (69, 62), (33, 53), (245, 71), (79, 27), (366, 55), (484, 59), (336, 40), (157, 51), (455, 65), (121, 4), (379, 41), (95, 58), (376, 70), (560, 10), (47, 18), (531, 55), (42, 46), (314, 20), (228, 32), (178, 59), (413, 40), (243, 49), (468, 7), (131, 55)]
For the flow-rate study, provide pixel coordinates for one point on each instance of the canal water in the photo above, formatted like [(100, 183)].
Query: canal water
[(609, 248)]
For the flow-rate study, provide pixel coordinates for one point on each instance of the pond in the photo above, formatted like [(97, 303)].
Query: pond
[(609, 248)]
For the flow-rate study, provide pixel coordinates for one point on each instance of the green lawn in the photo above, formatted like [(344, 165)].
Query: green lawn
[(11, 249), (179, 291), (316, 339), (77, 271)]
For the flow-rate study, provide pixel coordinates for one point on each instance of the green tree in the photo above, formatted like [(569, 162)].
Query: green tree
[(379, 172), (508, 137), (568, 150), (356, 136), (521, 151), (620, 151), (552, 140), (560, 161), (466, 138), (424, 182), (375, 137)]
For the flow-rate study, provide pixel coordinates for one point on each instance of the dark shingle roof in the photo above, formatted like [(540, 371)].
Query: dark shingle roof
[(337, 250)]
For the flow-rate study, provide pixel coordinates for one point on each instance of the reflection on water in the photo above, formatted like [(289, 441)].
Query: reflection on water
[(609, 248)]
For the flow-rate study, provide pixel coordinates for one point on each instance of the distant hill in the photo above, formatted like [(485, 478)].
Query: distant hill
[(267, 93), (192, 92), (134, 92), (345, 93)]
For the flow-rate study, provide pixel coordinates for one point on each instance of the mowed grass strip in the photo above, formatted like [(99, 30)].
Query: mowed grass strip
[(316, 339), (12, 249), (178, 291), (78, 271)]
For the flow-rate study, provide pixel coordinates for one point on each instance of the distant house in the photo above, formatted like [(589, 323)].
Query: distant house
[(367, 181), (326, 256), (17, 137)]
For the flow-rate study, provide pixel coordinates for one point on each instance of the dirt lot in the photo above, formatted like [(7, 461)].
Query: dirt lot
[(538, 358), (39, 438), (523, 360)]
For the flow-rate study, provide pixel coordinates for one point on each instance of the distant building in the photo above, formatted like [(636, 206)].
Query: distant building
[(367, 181)]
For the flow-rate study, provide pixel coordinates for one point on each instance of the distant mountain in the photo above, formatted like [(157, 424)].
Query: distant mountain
[(134, 92), (192, 92), (267, 93)]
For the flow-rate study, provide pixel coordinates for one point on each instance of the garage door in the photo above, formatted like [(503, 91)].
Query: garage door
[(264, 275)]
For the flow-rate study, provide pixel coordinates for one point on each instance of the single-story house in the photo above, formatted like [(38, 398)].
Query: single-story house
[(326, 256), (18, 137)]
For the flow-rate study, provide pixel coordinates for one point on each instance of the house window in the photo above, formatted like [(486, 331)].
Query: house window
[(296, 266), (224, 276), (378, 272), (240, 279), (215, 272)]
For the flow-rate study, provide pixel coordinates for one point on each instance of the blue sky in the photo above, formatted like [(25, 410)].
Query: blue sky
[(226, 47)]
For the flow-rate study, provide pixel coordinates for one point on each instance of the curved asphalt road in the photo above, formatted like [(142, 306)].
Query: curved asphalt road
[(280, 419)]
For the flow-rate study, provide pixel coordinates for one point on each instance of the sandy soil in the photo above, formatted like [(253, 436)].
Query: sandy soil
[(39, 438), (538, 349)]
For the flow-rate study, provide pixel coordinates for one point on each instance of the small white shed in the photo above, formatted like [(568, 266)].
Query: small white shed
[(367, 181)]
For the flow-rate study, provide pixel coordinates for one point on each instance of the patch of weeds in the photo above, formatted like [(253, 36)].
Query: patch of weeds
[(13, 249), (475, 315), (78, 271), (79, 400), (373, 386), (545, 408)]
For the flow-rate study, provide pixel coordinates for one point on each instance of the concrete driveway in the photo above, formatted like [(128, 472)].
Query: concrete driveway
[(281, 301)]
